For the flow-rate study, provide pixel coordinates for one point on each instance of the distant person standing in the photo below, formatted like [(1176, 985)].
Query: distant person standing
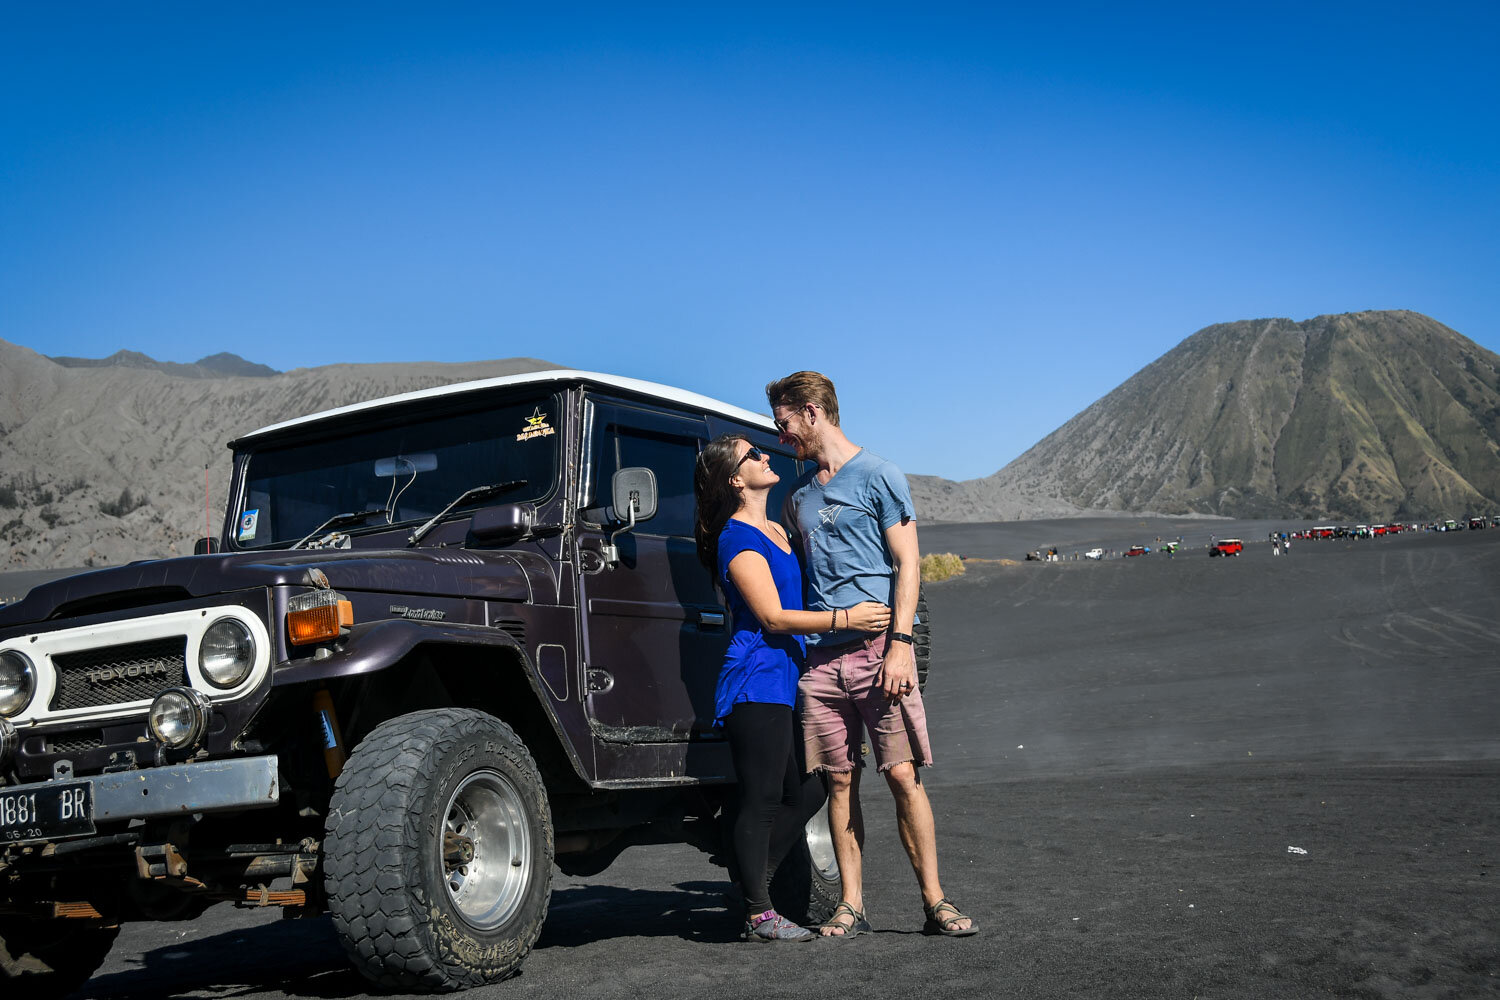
[(856, 529)]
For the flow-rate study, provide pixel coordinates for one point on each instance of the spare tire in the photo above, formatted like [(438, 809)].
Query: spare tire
[(808, 886)]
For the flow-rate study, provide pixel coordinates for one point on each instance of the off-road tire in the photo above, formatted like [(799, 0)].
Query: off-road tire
[(802, 890), (921, 634), (408, 919), (48, 959)]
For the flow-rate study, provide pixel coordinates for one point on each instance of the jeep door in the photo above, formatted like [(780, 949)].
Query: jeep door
[(654, 632)]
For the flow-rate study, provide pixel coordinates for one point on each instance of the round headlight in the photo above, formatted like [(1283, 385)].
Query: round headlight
[(227, 652), (17, 682), (178, 717)]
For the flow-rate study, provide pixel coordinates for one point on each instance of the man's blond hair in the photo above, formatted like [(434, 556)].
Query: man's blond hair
[(801, 388)]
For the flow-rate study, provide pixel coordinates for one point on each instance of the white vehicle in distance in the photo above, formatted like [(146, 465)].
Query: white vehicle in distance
[(1094, 554)]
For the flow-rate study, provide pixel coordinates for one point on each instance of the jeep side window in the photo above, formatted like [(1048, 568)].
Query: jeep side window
[(669, 456)]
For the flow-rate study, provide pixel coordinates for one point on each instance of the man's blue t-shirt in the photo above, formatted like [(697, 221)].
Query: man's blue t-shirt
[(758, 667), (841, 526)]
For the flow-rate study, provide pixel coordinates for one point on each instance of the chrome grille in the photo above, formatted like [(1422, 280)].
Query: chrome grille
[(136, 671)]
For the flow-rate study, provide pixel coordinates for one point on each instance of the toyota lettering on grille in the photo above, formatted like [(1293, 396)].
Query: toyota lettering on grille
[(151, 668)]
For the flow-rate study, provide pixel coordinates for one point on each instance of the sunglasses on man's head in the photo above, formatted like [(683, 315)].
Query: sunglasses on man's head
[(753, 454)]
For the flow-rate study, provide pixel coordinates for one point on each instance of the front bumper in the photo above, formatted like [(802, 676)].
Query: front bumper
[(67, 809), (184, 789)]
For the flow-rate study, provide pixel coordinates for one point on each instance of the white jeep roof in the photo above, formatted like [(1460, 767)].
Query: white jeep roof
[(666, 393)]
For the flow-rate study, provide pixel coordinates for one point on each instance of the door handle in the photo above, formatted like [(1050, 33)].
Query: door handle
[(711, 619)]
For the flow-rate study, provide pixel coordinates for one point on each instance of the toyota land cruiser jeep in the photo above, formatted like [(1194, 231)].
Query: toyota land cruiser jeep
[(446, 640)]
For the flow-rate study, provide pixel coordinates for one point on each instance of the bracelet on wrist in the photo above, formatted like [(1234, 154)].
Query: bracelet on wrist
[(903, 637)]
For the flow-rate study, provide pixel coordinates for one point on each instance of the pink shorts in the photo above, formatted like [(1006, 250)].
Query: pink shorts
[(839, 692)]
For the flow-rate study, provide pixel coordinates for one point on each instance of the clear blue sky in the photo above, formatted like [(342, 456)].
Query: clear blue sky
[(978, 221)]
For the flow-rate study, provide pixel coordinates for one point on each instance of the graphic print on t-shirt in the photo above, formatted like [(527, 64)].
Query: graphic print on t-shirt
[(830, 514)]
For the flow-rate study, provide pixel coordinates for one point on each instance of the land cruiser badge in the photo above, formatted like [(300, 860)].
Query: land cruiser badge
[(419, 614)]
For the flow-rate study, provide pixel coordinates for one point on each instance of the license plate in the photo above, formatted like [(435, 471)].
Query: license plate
[(46, 812)]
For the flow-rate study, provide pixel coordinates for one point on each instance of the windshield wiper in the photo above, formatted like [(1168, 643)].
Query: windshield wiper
[(339, 521), (468, 496)]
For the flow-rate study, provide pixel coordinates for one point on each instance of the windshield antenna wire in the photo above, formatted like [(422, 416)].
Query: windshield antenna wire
[(390, 503)]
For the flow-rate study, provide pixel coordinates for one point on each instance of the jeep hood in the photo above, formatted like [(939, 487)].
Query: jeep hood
[(426, 572)]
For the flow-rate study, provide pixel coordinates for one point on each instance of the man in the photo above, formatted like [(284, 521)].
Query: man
[(856, 526)]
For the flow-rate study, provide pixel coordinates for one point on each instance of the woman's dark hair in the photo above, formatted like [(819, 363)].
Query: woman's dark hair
[(716, 499)]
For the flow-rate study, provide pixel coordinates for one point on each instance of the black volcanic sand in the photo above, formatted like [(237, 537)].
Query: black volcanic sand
[(1129, 751)]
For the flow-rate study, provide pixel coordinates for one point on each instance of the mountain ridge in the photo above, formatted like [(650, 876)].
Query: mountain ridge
[(107, 464), (214, 366), (1354, 416), (1378, 414)]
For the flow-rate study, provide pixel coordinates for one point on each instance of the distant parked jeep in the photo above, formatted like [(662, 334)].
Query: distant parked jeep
[(1227, 547), (446, 640)]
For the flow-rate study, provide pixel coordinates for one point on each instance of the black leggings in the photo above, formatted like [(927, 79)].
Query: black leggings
[(775, 798)]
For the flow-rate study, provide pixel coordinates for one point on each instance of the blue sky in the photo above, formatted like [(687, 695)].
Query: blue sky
[(977, 219)]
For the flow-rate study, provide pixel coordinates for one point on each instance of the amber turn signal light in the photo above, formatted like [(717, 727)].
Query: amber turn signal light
[(319, 623)]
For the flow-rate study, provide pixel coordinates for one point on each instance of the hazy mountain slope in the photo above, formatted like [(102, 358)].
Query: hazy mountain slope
[(213, 366), (1358, 416), (1362, 415), (73, 440)]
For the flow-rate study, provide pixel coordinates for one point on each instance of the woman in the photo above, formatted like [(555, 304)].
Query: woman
[(752, 559)]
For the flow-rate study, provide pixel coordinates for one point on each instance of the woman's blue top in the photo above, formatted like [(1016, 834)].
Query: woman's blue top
[(757, 666)]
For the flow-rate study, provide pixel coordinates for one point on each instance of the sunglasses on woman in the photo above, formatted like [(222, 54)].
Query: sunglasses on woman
[(753, 454)]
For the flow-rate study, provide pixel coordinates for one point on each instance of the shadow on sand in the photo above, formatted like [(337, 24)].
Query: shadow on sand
[(302, 958), (298, 958)]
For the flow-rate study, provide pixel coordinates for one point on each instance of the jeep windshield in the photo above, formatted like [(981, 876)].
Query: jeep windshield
[(410, 466)]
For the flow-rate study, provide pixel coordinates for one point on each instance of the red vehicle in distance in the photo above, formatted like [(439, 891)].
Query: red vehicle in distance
[(1137, 550), (1227, 547)]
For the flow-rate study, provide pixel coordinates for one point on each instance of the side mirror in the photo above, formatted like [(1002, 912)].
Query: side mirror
[(634, 491), (634, 494), (205, 545), (505, 523)]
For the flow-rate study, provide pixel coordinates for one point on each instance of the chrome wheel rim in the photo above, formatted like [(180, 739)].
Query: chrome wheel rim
[(485, 850), (820, 846)]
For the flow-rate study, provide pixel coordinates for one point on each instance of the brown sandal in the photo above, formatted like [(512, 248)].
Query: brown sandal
[(944, 925)]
